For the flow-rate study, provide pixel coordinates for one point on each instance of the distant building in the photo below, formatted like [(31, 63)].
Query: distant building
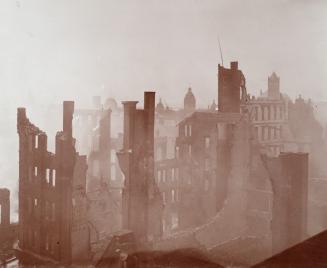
[(269, 116)]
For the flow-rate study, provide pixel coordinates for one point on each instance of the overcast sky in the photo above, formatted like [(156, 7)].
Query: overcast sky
[(52, 50)]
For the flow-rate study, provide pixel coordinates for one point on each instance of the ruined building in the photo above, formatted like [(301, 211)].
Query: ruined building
[(240, 231), (231, 84), (142, 201), (202, 152), (169, 166), (52, 194), (225, 179)]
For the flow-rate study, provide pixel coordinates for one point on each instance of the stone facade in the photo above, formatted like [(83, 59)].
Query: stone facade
[(269, 116)]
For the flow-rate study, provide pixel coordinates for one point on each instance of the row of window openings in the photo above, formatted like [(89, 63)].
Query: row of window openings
[(189, 147), (187, 130), (267, 113), (33, 237), (268, 133), (189, 151), (162, 175), (50, 175), (206, 160), (50, 208), (173, 196)]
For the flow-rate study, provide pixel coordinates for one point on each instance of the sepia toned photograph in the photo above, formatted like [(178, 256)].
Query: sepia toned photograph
[(153, 134)]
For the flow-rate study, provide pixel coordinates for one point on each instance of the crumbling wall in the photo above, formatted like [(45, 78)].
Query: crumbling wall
[(48, 184), (80, 228), (230, 83)]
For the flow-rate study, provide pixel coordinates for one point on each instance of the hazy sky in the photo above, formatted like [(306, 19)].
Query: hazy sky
[(52, 50)]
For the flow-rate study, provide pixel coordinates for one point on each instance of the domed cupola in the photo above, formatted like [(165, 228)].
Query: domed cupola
[(189, 101), (160, 107)]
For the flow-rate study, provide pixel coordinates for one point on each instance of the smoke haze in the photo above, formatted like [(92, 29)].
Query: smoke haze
[(56, 50)]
